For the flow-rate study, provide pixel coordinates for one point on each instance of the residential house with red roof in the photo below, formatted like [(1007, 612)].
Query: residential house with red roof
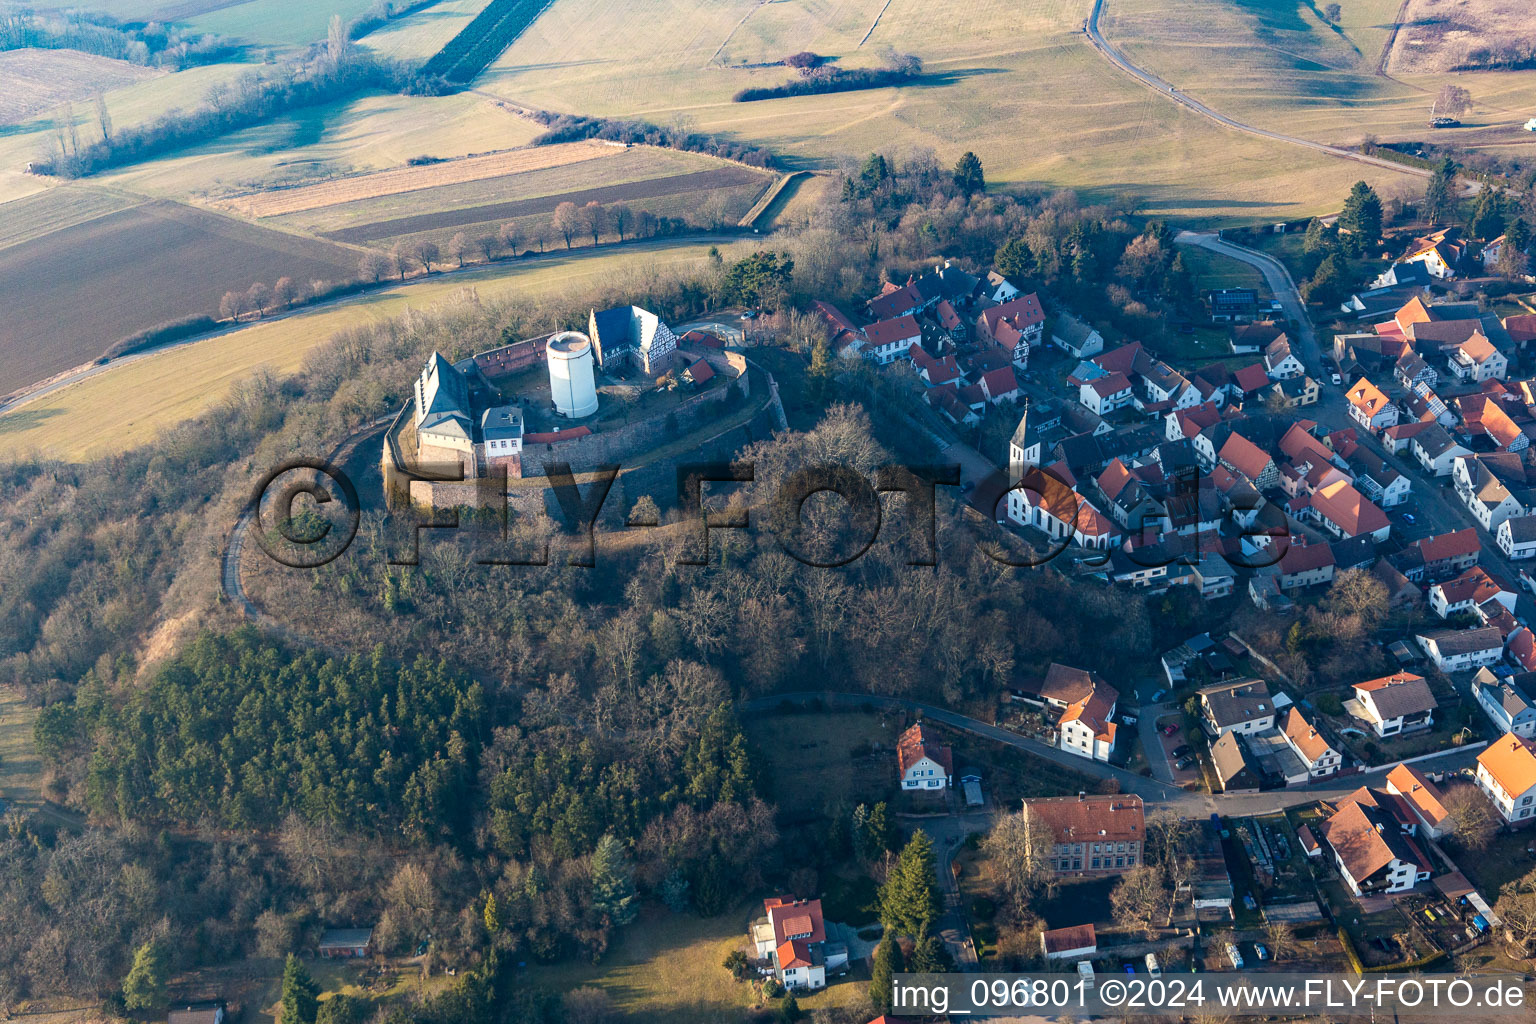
[(1077, 942), (1394, 704), (1314, 750), (1468, 591), (1088, 835), (1305, 565), (890, 340), (1369, 407), (924, 763), (1103, 395), (1000, 385), (1506, 772), (792, 937), (1423, 798), (1015, 326), (895, 301), (1241, 455), (1087, 726), (1372, 847), (1345, 512)]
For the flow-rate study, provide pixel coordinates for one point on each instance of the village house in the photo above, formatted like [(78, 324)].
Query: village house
[(1506, 772), (1233, 305), (1319, 757), (1423, 799), (1472, 589), (1251, 339), (1233, 768), (1345, 512), (924, 764), (1477, 360), (1000, 385), (792, 936), (1077, 942), (1377, 480), (890, 340), (1103, 395), (1087, 726), (197, 1013), (1439, 253), (1370, 847), (1242, 706), (631, 336), (1280, 363), (1014, 327), (1488, 497), (1075, 337), (1395, 704), (1436, 450), (1461, 650), (1440, 556), (1089, 835), (1369, 407), (1516, 537), (1305, 565), (1510, 704), (1241, 455)]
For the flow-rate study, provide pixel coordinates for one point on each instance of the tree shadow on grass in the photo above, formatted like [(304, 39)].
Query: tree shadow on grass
[(25, 419)]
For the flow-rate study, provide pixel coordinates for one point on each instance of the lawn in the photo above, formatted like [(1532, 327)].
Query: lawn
[(666, 969), (20, 769), (818, 760), (129, 403), (1504, 861)]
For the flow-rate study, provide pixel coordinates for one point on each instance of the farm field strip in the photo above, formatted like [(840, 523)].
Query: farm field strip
[(278, 202), (692, 181), (481, 41), (419, 35), (33, 217), (38, 80), (128, 404), (95, 282)]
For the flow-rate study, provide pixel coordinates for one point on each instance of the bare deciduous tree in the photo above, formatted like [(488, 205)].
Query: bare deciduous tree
[(1474, 820), (1020, 850), (457, 247)]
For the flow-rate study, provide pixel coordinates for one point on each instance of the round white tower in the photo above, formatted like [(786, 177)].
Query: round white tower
[(569, 354)]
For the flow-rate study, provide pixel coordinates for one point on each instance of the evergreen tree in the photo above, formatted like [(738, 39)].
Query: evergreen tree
[(929, 956), (909, 901), (613, 887), (1489, 216), (1328, 284), (873, 174), (819, 377), (1317, 239), (1362, 218), (968, 176), (1014, 260), (789, 1009), (880, 835), (145, 984), (341, 1009), (886, 965), (300, 994), (1439, 195), (492, 914)]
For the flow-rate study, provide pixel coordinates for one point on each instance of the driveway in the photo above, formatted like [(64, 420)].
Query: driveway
[(948, 835)]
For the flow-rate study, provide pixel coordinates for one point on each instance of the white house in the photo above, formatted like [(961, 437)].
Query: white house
[(1423, 798), (1509, 705), (1105, 394), (1486, 496), (1075, 943), (1396, 704), (1517, 537), (1506, 771), (1372, 854), (1436, 450), (1369, 407), (924, 763), (1280, 363), (1309, 745), (1087, 726), (890, 340), (1477, 360), (1472, 589), (1074, 336), (1461, 650), (1244, 706), (792, 936)]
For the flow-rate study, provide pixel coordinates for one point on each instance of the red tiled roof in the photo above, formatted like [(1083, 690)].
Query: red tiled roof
[(558, 435), (793, 954), (1023, 311), (1245, 456), (1113, 384), (700, 371), (795, 919), (1457, 544), (1305, 558), (1251, 378), (1058, 940), (914, 745), (1000, 381), (1511, 760), (1348, 509), (1367, 397), (903, 328)]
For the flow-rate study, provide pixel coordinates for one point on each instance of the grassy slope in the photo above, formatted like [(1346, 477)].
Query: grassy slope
[(130, 404), (666, 969), (20, 770), (278, 23), (1013, 82), (420, 35)]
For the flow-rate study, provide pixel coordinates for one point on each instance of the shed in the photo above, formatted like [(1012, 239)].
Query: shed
[(197, 1013), (346, 943), (971, 786)]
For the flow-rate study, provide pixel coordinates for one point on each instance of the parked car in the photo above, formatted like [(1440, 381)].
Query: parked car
[(1249, 901), (1159, 695), (1129, 719), (1408, 517), (1235, 956), (1182, 751), (1259, 951), (1184, 763), (1338, 381), (1170, 729), (1153, 967), (1128, 968)]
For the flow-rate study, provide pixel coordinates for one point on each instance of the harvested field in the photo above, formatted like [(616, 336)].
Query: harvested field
[(1456, 35), (410, 179), (124, 405), (56, 209), (630, 192), (93, 282), (39, 80)]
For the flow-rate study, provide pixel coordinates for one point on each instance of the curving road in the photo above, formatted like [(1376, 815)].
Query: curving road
[(1098, 42)]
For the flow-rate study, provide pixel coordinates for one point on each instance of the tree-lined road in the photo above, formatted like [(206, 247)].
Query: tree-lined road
[(1098, 42)]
